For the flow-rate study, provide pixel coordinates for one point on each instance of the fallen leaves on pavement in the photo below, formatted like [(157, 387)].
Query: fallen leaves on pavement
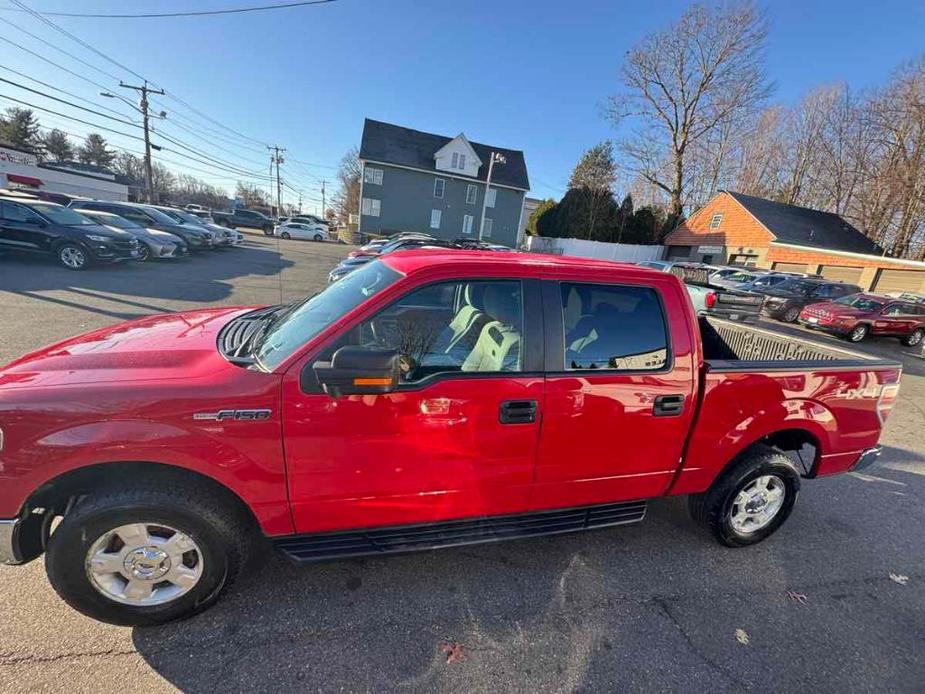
[(453, 651), (899, 578), (798, 597), (742, 637)]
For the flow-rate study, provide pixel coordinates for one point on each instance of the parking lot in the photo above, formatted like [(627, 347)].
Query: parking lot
[(835, 601)]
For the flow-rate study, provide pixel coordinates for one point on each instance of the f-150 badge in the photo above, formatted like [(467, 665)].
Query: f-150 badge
[(237, 415)]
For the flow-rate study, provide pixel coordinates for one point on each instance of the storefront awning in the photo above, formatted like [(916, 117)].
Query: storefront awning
[(24, 180)]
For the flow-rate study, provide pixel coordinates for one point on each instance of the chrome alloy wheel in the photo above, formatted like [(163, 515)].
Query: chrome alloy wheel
[(73, 257), (757, 504), (144, 564)]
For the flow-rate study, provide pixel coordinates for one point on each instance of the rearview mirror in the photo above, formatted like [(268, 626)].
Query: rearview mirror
[(358, 371)]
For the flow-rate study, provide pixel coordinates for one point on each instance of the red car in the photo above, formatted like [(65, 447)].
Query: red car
[(428, 399), (859, 315)]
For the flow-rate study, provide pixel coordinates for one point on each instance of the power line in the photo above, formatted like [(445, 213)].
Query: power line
[(78, 120), (65, 101), (58, 89), (202, 13)]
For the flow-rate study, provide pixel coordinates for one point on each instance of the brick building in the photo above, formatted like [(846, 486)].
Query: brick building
[(744, 230)]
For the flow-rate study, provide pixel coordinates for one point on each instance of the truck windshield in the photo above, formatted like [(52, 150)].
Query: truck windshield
[(860, 302), (309, 317)]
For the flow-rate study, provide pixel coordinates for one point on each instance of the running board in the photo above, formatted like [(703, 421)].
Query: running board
[(410, 538)]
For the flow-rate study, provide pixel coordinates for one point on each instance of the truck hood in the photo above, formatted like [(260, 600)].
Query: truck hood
[(159, 347)]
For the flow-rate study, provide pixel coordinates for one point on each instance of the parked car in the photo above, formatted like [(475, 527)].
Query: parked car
[(204, 215), (223, 235), (153, 243), (301, 230), (730, 280), (763, 281), (196, 238), (784, 301), (859, 315), (402, 240), (240, 217), (307, 219), (914, 297), (707, 299), (195, 208), (440, 366), (352, 262), (36, 226)]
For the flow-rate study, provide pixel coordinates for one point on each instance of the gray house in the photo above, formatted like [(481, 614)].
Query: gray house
[(416, 181)]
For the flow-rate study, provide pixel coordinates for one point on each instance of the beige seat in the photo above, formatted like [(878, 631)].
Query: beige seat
[(498, 346)]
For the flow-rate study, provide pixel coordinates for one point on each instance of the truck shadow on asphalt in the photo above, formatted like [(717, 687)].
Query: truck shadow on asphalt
[(650, 606), (199, 279)]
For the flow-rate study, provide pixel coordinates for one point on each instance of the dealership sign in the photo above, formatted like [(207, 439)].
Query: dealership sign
[(16, 157)]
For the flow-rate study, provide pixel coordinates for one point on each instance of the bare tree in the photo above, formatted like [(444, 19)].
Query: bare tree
[(705, 70), (347, 198)]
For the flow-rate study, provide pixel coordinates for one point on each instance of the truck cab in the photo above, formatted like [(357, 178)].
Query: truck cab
[(428, 399)]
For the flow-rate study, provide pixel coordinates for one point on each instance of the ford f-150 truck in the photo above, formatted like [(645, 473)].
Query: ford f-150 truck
[(428, 399)]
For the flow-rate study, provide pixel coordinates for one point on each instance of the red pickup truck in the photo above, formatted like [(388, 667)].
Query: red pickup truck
[(429, 399)]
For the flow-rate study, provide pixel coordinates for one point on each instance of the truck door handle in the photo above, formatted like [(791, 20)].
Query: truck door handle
[(668, 406), (517, 412)]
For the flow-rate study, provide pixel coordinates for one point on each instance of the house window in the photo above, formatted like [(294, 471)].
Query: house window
[(490, 196), (371, 207), (471, 194), (486, 228), (716, 220), (371, 175), (462, 162), (467, 223), (435, 218), (454, 164), (439, 186)]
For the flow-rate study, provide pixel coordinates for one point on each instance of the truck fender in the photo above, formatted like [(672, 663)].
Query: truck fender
[(712, 451)]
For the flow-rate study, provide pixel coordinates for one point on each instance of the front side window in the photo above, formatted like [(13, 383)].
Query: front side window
[(308, 318), (471, 194), (896, 310), (616, 328), (448, 327)]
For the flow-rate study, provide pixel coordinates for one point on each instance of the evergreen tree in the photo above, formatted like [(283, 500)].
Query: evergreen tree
[(20, 128), (95, 150), (57, 146)]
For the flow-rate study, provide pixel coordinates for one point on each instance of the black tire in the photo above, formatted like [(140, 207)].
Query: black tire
[(285, 235), (791, 315), (858, 333), (222, 533), (319, 237), (713, 509), (914, 338), (268, 231), (72, 256)]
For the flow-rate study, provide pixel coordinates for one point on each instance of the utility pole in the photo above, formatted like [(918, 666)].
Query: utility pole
[(323, 207), (300, 202), (496, 158), (276, 158), (149, 169)]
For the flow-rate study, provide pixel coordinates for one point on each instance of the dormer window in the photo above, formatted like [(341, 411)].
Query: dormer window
[(458, 161)]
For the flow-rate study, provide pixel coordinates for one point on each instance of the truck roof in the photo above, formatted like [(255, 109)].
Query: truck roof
[(411, 261)]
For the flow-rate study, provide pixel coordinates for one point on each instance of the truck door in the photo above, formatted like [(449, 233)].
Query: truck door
[(457, 438), (619, 392)]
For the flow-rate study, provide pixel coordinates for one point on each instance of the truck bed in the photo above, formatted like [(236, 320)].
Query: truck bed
[(731, 345)]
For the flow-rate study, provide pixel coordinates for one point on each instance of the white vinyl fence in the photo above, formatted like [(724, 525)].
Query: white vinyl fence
[(626, 252)]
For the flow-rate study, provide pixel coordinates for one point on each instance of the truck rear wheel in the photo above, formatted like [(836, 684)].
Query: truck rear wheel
[(148, 554), (749, 501)]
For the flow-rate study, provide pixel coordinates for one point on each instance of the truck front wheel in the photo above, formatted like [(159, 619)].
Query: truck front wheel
[(144, 556), (750, 500)]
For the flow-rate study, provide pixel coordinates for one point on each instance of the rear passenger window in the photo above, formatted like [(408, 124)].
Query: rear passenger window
[(619, 328)]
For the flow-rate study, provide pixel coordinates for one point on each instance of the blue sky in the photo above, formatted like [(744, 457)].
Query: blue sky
[(523, 74)]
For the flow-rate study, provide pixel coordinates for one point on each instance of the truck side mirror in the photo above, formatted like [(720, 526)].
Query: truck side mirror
[(357, 371)]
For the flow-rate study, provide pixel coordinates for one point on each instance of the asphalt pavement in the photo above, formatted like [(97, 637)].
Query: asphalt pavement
[(835, 601)]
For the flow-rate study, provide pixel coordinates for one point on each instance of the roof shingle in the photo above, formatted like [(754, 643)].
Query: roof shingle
[(802, 226), (393, 144)]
